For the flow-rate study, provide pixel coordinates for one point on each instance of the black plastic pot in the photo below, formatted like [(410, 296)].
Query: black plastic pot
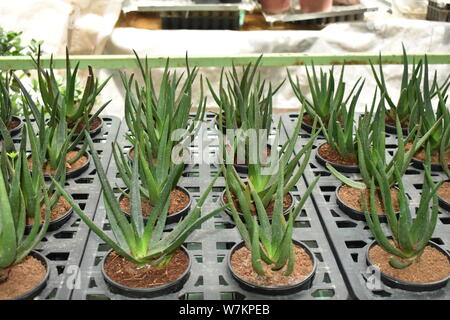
[(410, 286), (443, 203), (309, 128), (355, 214), (36, 290), (393, 130), (54, 224), (283, 290), (92, 132), (418, 164), (243, 168), (167, 288), (174, 217), (241, 215), (339, 167), (17, 129)]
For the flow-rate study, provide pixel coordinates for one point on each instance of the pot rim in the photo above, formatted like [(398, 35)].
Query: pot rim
[(151, 289), (341, 167), (55, 223), (280, 289)]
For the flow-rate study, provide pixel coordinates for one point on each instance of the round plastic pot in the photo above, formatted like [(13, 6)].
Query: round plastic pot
[(54, 224), (355, 214), (41, 285), (174, 217), (282, 290), (337, 166), (410, 286), (17, 129), (243, 168), (241, 215), (443, 203), (92, 132), (393, 130), (310, 6), (418, 164), (164, 289)]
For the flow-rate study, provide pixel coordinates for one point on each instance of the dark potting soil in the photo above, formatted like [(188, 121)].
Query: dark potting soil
[(131, 275), (69, 167), (12, 124), (178, 201), (287, 202), (352, 197), (431, 267), (61, 207), (307, 119), (421, 155), (22, 278), (241, 263), (444, 191), (328, 153), (95, 123), (392, 123)]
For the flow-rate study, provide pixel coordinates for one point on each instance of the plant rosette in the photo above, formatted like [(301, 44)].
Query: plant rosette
[(179, 206), (288, 206), (325, 154), (435, 259), (353, 195), (80, 166), (146, 281), (60, 214), (241, 270), (27, 278), (444, 195)]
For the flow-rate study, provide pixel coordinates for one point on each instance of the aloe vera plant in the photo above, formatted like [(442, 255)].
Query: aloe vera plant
[(411, 96), (52, 139), (163, 117), (327, 96), (410, 235), (263, 176), (6, 105), (269, 242), (136, 242), (78, 106), (14, 206), (372, 150)]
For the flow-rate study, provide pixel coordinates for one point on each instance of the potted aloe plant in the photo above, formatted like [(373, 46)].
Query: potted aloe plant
[(267, 261), (262, 175), (327, 96), (24, 272), (339, 150), (245, 107), (7, 110), (78, 106), (372, 161), (55, 141), (143, 261), (411, 96), (163, 115), (407, 259)]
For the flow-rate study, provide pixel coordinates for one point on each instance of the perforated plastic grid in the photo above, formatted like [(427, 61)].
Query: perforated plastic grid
[(349, 237), (64, 247), (210, 245)]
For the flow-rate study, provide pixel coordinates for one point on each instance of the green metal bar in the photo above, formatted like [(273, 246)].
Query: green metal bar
[(280, 59)]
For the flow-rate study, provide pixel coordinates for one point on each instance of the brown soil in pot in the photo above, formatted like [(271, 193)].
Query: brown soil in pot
[(131, 275), (421, 155), (241, 263), (69, 167), (307, 119), (391, 122), (287, 202), (352, 197), (13, 124), (329, 154), (23, 277), (178, 201), (95, 123), (444, 191), (431, 267), (61, 207)]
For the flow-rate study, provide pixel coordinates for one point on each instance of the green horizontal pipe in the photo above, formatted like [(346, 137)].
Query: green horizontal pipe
[(279, 59)]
